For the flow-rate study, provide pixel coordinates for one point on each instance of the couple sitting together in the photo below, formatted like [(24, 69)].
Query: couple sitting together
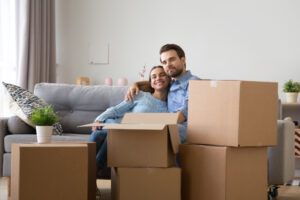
[(169, 93)]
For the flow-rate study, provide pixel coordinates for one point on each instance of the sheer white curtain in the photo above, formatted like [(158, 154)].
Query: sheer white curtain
[(27, 44), (8, 56)]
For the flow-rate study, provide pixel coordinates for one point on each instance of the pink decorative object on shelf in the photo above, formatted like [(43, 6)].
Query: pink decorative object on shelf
[(108, 81), (122, 81), (142, 73)]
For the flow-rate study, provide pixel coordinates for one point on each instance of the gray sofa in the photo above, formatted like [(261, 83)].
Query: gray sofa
[(293, 110), (76, 105), (281, 158)]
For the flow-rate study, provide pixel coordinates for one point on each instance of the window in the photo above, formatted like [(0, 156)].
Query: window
[(8, 54)]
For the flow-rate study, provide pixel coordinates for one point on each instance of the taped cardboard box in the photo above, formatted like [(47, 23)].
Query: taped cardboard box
[(53, 171), (223, 173), (232, 113), (143, 140), (146, 183)]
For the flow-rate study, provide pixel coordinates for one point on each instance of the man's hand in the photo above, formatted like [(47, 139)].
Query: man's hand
[(181, 117), (94, 128), (133, 90)]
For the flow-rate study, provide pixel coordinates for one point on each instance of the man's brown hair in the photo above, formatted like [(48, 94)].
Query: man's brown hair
[(174, 47)]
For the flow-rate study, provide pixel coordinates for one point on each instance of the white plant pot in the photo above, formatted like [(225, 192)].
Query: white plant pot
[(44, 134), (291, 97)]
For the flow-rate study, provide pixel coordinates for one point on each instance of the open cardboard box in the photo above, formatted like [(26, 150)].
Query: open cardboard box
[(142, 140)]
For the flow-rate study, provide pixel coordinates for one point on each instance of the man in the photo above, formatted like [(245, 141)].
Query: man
[(173, 60)]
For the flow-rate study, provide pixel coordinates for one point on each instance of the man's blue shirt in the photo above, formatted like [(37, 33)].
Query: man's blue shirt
[(178, 95)]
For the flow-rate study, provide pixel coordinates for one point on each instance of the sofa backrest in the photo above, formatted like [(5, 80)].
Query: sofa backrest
[(291, 110), (77, 105)]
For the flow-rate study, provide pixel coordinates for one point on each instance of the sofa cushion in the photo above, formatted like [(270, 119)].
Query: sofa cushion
[(77, 105), (23, 103), (18, 126), (29, 138)]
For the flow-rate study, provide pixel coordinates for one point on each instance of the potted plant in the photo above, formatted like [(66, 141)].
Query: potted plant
[(44, 118), (291, 90)]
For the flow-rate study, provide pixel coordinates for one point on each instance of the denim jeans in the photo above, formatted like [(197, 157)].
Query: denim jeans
[(182, 129), (100, 137)]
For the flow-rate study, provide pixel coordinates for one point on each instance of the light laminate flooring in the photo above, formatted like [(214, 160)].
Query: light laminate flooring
[(288, 193)]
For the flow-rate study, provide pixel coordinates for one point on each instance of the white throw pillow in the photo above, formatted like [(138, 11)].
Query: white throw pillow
[(22, 103)]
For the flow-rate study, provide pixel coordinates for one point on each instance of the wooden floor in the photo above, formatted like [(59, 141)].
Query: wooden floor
[(284, 192), (3, 188), (289, 193)]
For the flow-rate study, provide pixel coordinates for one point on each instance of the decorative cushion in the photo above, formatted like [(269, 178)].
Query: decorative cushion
[(22, 103)]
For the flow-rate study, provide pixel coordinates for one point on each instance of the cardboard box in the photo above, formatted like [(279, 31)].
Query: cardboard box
[(53, 171), (146, 183), (143, 140), (223, 173), (232, 113)]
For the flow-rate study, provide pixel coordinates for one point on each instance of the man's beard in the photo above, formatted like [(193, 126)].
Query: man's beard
[(176, 73)]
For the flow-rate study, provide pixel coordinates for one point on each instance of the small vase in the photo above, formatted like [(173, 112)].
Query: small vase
[(108, 81), (44, 134), (122, 81), (291, 97)]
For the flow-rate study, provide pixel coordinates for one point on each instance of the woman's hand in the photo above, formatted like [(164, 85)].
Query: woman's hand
[(133, 90), (181, 117), (94, 128)]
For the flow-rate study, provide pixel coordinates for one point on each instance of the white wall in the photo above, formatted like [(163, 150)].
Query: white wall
[(232, 39)]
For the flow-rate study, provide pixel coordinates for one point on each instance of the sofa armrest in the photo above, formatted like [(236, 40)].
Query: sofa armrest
[(281, 158), (3, 132)]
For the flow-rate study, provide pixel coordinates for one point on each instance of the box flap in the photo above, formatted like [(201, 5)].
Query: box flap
[(174, 137), (135, 126), (150, 118), (91, 125), (52, 144)]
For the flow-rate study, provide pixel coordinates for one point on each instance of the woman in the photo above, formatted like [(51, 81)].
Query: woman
[(145, 102)]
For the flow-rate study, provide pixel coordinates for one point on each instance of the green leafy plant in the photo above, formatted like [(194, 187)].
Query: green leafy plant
[(291, 86), (44, 116)]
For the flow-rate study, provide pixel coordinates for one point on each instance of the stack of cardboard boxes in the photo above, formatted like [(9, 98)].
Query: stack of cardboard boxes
[(230, 125), (142, 153)]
